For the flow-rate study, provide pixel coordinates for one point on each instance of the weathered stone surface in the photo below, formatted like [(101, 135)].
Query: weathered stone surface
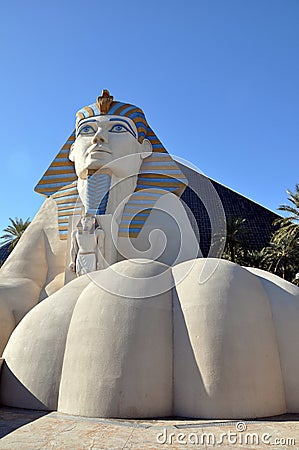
[(206, 338)]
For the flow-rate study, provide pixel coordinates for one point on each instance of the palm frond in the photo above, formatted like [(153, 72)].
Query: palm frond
[(13, 232)]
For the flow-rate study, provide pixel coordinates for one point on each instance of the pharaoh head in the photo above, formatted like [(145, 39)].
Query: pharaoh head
[(114, 136), (87, 223), (107, 138)]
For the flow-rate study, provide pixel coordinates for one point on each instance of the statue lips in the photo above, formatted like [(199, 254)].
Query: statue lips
[(96, 150)]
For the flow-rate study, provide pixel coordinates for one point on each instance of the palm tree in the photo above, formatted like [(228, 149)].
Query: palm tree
[(236, 242), (254, 258), (289, 225), (281, 257), (14, 232)]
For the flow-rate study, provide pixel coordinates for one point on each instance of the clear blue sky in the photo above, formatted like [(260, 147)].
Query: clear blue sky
[(218, 81)]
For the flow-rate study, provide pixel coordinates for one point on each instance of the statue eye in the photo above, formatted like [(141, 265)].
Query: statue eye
[(118, 129), (87, 129)]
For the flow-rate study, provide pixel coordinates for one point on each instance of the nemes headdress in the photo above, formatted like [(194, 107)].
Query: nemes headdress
[(158, 172)]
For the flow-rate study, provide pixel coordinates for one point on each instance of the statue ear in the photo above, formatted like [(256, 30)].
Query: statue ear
[(71, 154), (147, 148)]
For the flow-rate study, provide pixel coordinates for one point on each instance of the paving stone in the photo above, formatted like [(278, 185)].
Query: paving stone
[(35, 430)]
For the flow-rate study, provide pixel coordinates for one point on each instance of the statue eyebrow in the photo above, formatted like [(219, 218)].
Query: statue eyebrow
[(88, 119), (84, 123), (127, 123)]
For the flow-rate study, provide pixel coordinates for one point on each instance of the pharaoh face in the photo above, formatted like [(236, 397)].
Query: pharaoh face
[(110, 141), (87, 223)]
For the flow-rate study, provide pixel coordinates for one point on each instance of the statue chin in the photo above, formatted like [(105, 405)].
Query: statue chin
[(95, 162)]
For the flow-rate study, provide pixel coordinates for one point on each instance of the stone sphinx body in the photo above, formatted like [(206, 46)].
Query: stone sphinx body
[(105, 169), (159, 331)]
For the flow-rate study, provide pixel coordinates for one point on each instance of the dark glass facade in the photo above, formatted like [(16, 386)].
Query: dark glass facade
[(4, 252), (259, 220)]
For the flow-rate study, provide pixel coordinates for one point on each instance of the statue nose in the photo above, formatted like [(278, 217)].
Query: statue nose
[(100, 137)]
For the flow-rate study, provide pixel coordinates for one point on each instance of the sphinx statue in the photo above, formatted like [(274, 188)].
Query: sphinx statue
[(119, 314), (112, 167)]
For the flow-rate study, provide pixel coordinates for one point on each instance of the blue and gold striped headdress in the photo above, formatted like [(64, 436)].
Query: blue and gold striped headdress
[(158, 172)]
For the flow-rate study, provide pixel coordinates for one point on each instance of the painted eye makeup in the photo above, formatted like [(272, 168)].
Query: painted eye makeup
[(86, 130), (89, 130), (118, 129), (127, 126)]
